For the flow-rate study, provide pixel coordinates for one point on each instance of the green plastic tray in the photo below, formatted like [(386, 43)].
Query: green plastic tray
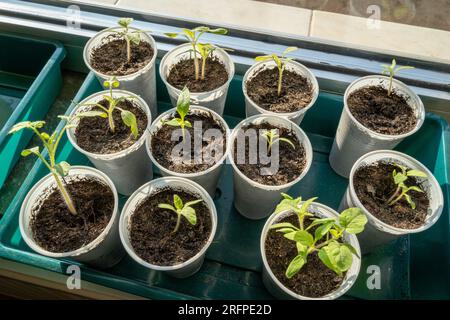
[(233, 264), (30, 79)]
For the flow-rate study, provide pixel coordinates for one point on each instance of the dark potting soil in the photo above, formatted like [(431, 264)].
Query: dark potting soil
[(93, 134), (163, 145), (183, 74), (292, 162), (372, 107), (313, 280), (296, 92), (374, 186), (57, 230), (151, 229), (111, 57)]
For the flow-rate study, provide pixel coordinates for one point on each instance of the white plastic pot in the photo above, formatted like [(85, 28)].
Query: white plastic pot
[(277, 289), (254, 200), (209, 178), (353, 139), (142, 82), (188, 267), (104, 252), (251, 108), (214, 99), (129, 168), (377, 232)]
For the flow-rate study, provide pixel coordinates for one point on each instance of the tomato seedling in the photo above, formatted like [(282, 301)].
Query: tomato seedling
[(335, 254), (280, 62), (183, 104), (402, 190), (272, 137), (130, 36), (181, 209), (392, 70)]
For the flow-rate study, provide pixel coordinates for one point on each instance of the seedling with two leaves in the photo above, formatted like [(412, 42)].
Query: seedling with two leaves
[(325, 240), (402, 190), (128, 118), (51, 143), (181, 209), (183, 104), (130, 36), (272, 137), (205, 49), (391, 71), (280, 62)]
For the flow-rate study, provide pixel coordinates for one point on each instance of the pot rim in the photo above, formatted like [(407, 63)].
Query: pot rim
[(86, 248), (178, 91), (193, 108), (123, 223), (404, 159), (348, 280), (149, 39), (122, 153), (310, 77), (301, 136), (411, 94)]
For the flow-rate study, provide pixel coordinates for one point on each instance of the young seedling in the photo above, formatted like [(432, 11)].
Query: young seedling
[(280, 62), (130, 37), (183, 104), (205, 50), (336, 255), (193, 36), (402, 190), (128, 118), (392, 70), (181, 209), (51, 143), (272, 137)]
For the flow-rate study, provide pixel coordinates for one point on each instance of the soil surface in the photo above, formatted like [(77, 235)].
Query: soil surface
[(374, 186), (296, 92), (111, 57), (292, 162), (313, 280), (93, 134), (183, 74), (57, 230), (151, 230), (163, 145), (372, 107)]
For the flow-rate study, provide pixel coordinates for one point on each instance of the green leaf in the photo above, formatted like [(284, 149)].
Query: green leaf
[(352, 249), (337, 257), (322, 230), (134, 37), (183, 102), (283, 225), (125, 22), (286, 230), (416, 173), (263, 58), (306, 204), (287, 141), (91, 113), (353, 220), (189, 33), (175, 122), (62, 168), (316, 222), (221, 31), (171, 34), (177, 202), (189, 214), (277, 61), (191, 203), (27, 152), (289, 50), (290, 235), (409, 200), (400, 178), (166, 206), (296, 264), (304, 238), (415, 188), (26, 125), (187, 124), (130, 120), (286, 204)]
